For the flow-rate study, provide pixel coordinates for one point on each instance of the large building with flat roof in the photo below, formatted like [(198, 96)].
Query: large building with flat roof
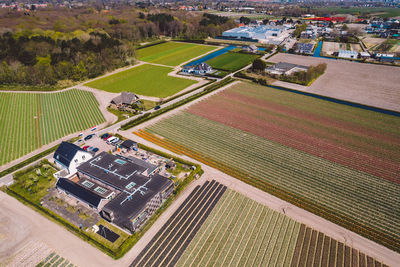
[(270, 34), (126, 191)]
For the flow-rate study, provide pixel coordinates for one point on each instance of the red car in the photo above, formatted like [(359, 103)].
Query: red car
[(85, 147)]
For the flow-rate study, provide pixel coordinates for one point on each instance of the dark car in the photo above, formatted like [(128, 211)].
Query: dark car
[(157, 107), (103, 136), (95, 149), (88, 137)]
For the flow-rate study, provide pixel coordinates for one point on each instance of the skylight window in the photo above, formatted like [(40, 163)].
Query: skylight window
[(88, 184), (120, 161), (100, 190), (130, 185)]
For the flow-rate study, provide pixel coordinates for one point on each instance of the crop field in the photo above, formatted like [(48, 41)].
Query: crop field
[(241, 232), (31, 120), (231, 61), (148, 80), (171, 241), (172, 53), (377, 89), (337, 161)]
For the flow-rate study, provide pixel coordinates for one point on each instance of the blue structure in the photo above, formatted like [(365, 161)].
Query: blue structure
[(317, 52)]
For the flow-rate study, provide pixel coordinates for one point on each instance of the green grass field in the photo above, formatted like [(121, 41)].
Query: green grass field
[(31, 120), (242, 232), (148, 80), (231, 61), (172, 53)]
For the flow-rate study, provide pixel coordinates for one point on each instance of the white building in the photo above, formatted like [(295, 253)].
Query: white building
[(284, 68), (69, 156), (347, 54), (263, 33)]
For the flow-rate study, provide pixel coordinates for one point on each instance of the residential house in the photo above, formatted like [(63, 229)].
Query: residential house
[(284, 68), (250, 48), (198, 69), (124, 101), (69, 156)]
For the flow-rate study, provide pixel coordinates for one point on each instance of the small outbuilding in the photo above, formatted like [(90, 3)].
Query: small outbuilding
[(129, 145)]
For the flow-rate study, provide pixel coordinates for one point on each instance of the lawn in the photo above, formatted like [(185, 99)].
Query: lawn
[(31, 120), (231, 61), (335, 160), (148, 80), (382, 12), (172, 53), (33, 182)]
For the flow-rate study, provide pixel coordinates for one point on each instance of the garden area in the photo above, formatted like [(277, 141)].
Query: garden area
[(34, 182)]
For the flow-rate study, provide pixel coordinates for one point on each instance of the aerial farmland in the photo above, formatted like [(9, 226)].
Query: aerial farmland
[(37, 119), (220, 227), (287, 144), (368, 84)]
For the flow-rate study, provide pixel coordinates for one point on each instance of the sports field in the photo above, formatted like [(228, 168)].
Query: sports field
[(337, 161), (31, 120), (172, 53), (231, 61), (219, 227), (148, 80)]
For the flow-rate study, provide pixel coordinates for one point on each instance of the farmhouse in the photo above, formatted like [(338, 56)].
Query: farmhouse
[(250, 48), (124, 101), (69, 156), (284, 68), (126, 191), (347, 54), (198, 69)]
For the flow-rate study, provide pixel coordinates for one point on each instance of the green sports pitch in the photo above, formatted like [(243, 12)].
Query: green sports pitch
[(31, 120), (146, 79), (231, 61), (172, 53)]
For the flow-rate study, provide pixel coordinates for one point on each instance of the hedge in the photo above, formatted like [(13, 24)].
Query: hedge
[(151, 44), (151, 115), (28, 161)]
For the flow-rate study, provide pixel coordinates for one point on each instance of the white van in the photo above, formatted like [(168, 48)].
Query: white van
[(112, 139)]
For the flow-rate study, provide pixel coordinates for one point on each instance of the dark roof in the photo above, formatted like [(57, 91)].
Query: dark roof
[(124, 98), (202, 66), (117, 172), (79, 192), (66, 152), (129, 143), (125, 208)]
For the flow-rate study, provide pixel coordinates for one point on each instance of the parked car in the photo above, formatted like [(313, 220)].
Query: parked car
[(95, 149), (90, 149), (107, 138), (85, 148), (110, 140), (157, 107), (80, 142), (104, 136), (88, 137), (115, 141)]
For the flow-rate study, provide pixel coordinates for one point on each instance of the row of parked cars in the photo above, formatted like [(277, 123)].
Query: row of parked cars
[(111, 140)]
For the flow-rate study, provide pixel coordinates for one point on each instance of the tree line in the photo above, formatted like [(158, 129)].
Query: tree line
[(59, 44)]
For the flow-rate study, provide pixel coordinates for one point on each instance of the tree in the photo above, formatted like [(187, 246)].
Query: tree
[(258, 65), (345, 28), (265, 21), (245, 20)]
